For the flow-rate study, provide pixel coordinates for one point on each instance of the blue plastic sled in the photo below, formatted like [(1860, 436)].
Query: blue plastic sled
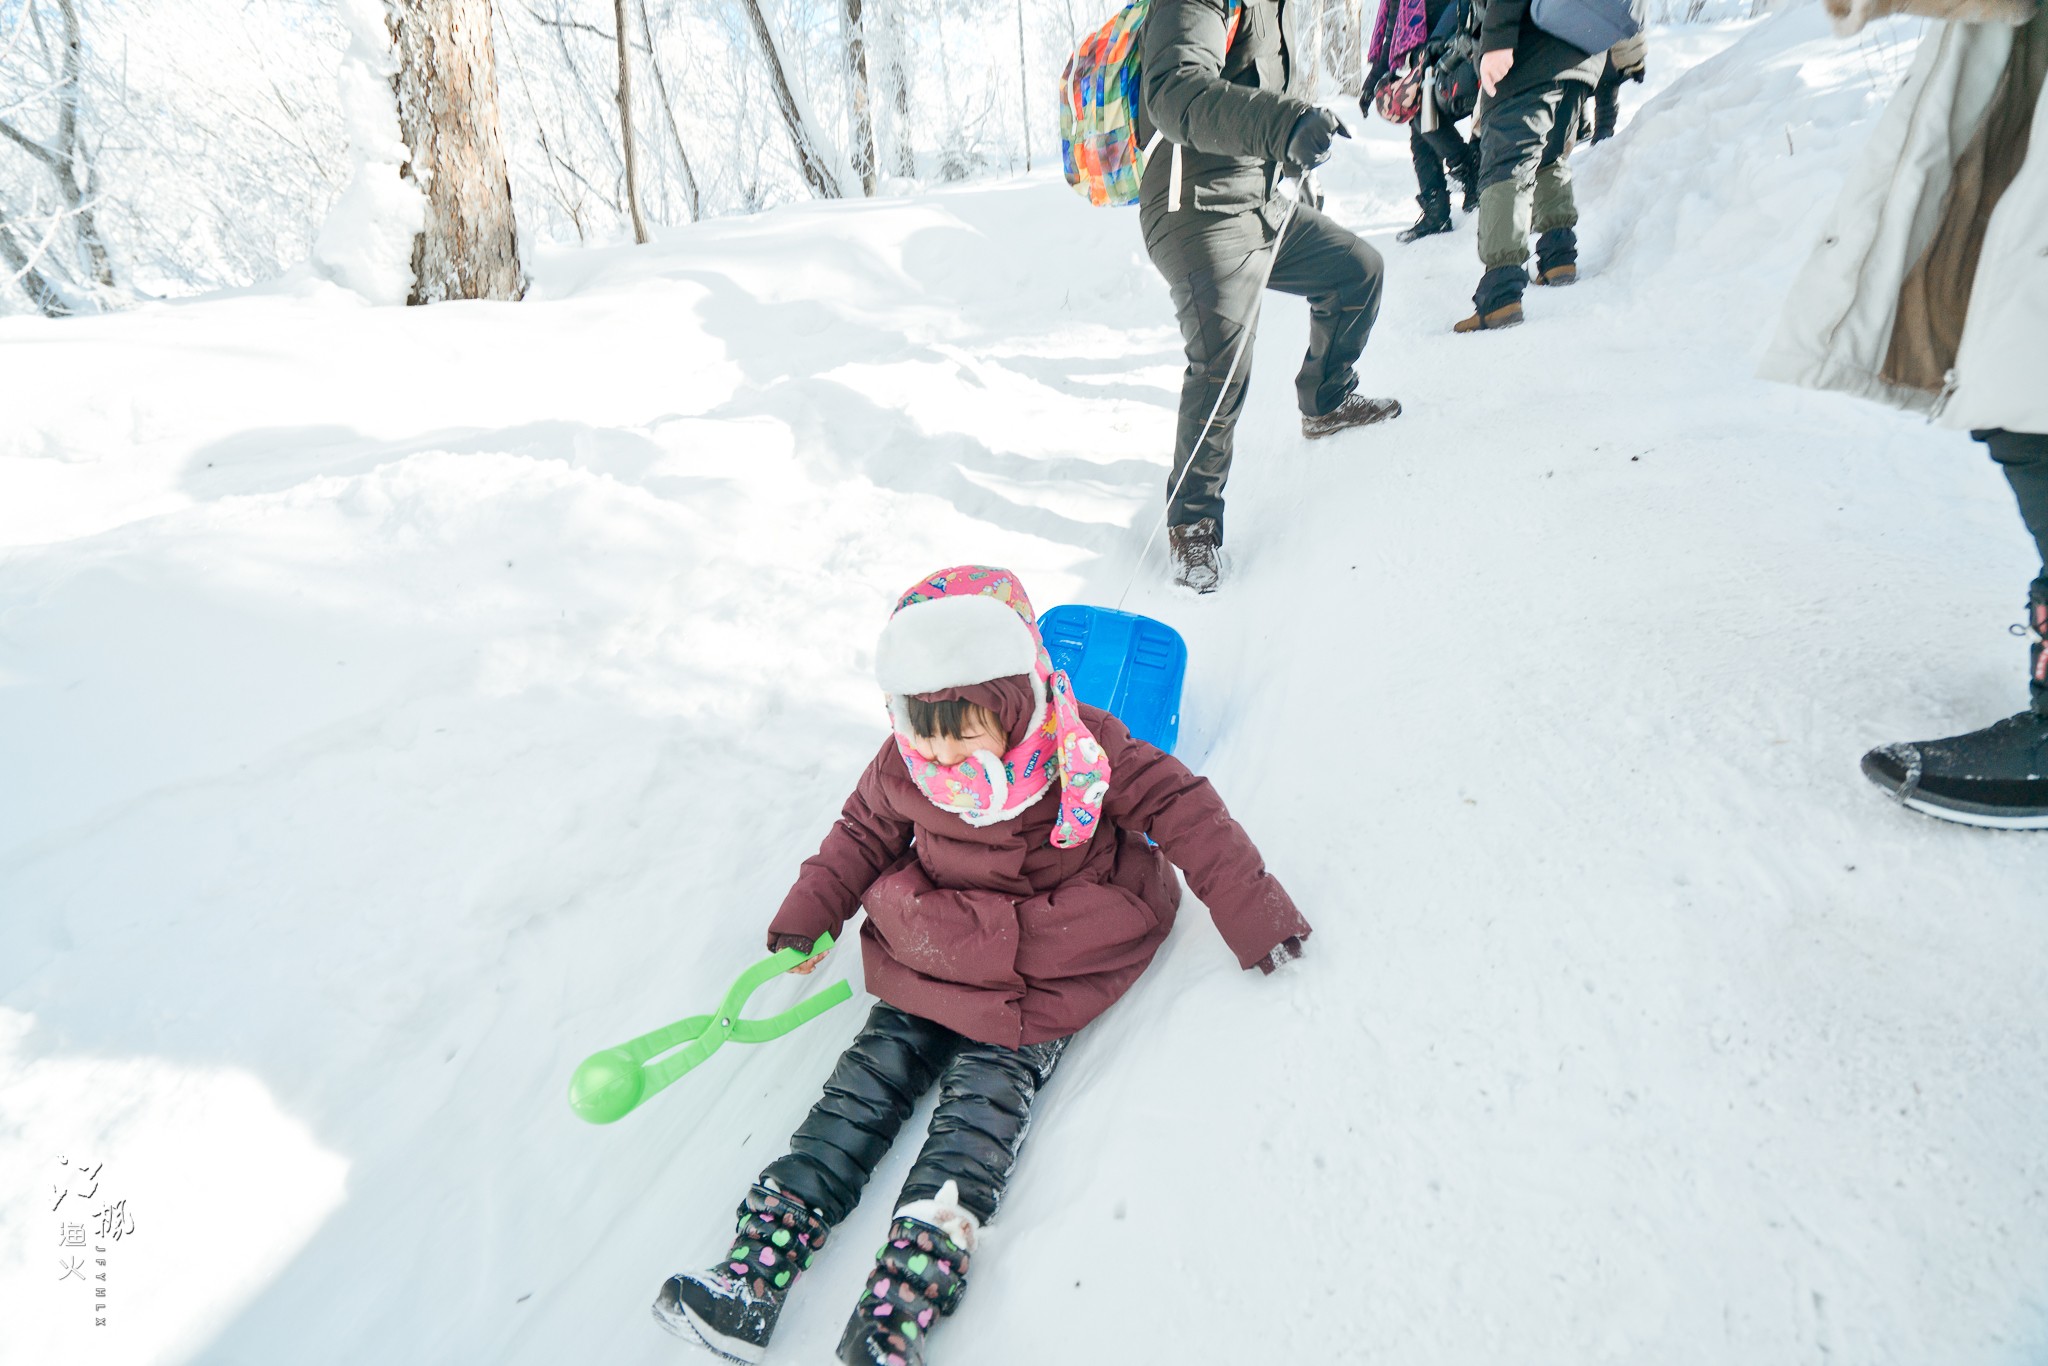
[(1130, 666)]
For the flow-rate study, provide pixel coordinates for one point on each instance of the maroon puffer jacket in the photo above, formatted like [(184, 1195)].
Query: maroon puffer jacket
[(996, 934)]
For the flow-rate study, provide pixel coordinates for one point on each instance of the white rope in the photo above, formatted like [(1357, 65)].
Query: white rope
[(1236, 355)]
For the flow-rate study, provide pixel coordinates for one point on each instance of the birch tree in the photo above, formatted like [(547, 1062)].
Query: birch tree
[(69, 166), (864, 160), (625, 95), (810, 157)]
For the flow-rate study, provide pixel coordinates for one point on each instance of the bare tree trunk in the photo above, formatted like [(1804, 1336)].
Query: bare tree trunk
[(693, 198), (69, 163), (899, 77), (1352, 56), (626, 125), (817, 174), (44, 295), (1024, 84), (447, 89), (79, 199), (864, 160)]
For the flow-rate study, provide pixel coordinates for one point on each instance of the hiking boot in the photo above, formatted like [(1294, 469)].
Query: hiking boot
[(1566, 274), (1356, 411), (731, 1309), (1996, 777), (1436, 218), (1197, 553), (919, 1276), (1507, 315)]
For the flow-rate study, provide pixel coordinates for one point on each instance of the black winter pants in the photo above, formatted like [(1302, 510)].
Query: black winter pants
[(1212, 263), (985, 1096), (2024, 457), (1441, 149)]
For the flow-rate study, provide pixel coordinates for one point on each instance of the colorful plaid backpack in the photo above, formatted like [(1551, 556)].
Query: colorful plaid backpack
[(1099, 95)]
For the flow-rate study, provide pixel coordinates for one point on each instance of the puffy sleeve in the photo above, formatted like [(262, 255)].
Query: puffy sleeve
[(1152, 792), (1186, 97), (861, 845)]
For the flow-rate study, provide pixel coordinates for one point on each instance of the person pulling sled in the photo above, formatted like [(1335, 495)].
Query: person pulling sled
[(1216, 86)]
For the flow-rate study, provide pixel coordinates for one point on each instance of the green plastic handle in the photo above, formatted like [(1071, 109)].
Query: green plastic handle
[(609, 1085)]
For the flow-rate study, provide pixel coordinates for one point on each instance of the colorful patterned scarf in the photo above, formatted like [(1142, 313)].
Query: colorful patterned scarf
[(984, 788)]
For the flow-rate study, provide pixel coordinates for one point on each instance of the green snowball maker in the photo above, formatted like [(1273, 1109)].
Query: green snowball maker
[(610, 1084)]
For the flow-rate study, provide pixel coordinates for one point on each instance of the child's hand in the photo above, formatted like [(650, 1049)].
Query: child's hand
[(1284, 952), (777, 943)]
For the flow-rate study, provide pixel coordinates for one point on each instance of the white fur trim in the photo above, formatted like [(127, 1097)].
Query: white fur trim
[(953, 643), (945, 1213)]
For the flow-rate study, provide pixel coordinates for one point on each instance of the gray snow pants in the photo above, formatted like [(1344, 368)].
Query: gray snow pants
[(1212, 263)]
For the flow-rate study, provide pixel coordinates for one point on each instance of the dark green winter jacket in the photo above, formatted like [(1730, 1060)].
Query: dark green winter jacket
[(1540, 57), (1229, 111)]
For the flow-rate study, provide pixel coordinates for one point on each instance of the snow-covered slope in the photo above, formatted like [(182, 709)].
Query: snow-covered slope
[(396, 706)]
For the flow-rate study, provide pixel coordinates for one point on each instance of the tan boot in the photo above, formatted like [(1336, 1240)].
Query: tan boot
[(1566, 274), (1507, 315)]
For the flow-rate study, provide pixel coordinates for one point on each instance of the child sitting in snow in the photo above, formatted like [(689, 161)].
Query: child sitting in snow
[(998, 924)]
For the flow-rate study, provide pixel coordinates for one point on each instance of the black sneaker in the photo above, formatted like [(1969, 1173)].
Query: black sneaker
[(1356, 411), (1197, 553), (1995, 777), (731, 1309)]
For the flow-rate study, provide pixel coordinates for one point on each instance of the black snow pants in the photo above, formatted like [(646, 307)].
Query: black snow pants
[(1525, 183), (2024, 457), (1213, 263), (1441, 149), (985, 1097)]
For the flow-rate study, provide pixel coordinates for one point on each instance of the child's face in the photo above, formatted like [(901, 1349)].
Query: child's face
[(978, 732)]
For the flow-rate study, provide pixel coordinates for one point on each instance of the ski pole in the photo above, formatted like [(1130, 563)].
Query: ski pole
[(608, 1085), (1236, 355)]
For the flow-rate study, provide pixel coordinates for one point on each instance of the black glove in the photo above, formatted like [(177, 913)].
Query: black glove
[(1433, 51), (1308, 146)]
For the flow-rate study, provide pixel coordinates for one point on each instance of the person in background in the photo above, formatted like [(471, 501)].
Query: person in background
[(1929, 291), (1532, 84), (1410, 34), (1216, 86)]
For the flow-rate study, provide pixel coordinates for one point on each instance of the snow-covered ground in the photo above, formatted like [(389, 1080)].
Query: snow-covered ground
[(397, 706)]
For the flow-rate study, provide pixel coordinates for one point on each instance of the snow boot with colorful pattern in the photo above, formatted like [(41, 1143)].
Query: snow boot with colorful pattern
[(731, 1309), (919, 1276)]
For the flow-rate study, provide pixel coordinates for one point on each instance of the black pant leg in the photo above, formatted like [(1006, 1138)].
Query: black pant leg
[(1606, 106), (872, 1090), (1214, 265), (985, 1100), (2024, 458), (1429, 165), (1341, 276)]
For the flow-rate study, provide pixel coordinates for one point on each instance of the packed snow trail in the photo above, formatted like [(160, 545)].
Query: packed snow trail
[(401, 704)]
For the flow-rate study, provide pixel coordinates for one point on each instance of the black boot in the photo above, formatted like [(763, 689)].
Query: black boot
[(1436, 218), (919, 1275), (1996, 777), (732, 1308)]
